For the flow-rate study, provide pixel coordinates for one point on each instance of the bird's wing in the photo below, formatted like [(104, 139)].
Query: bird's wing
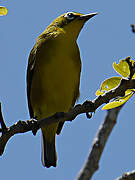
[(30, 71)]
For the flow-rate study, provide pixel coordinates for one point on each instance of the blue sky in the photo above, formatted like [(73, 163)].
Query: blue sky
[(104, 39)]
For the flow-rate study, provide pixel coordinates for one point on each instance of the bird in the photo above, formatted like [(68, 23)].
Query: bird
[(53, 76)]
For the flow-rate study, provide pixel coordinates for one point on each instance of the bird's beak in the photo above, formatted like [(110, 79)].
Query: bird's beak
[(86, 17)]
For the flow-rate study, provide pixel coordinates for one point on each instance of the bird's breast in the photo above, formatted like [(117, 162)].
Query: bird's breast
[(57, 76)]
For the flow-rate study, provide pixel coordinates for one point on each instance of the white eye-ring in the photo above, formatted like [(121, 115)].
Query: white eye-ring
[(70, 16)]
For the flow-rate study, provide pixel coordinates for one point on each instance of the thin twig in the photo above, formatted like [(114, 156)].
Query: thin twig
[(127, 176), (133, 28), (3, 125)]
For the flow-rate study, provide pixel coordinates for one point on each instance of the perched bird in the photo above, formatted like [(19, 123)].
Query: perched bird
[(53, 76)]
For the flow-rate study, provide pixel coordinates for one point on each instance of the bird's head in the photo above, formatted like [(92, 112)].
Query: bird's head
[(70, 23)]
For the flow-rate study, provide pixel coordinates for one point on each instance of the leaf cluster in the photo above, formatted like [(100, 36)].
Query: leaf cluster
[(126, 69)]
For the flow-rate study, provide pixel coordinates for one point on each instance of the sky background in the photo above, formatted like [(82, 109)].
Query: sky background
[(104, 39)]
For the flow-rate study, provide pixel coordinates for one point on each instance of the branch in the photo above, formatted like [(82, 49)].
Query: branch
[(3, 125), (133, 28), (87, 107), (92, 162), (127, 176)]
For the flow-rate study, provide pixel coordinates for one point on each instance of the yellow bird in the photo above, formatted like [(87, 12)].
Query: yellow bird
[(53, 76)]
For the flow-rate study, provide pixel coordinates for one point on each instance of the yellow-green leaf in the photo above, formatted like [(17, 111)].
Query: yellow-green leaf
[(108, 84), (119, 101), (3, 11), (122, 68), (99, 92), (133, 76)]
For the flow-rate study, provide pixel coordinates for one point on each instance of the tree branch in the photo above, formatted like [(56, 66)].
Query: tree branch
[(127, 176), (87, 107), (3, 125), (133, 28), (92, 162)]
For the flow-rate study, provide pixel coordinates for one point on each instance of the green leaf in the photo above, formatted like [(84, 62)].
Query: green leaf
[(3, 11), (119, 101), (122, 68), (132, 61), (99, 92), (108, 84), (133, 76)]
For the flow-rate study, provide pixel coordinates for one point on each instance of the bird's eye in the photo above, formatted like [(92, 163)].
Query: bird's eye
[(70, 16)]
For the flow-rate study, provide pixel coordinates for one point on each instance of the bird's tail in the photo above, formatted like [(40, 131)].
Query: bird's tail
[(49, 155)]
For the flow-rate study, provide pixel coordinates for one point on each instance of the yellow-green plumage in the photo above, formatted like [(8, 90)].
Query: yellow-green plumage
[(53, 76)]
